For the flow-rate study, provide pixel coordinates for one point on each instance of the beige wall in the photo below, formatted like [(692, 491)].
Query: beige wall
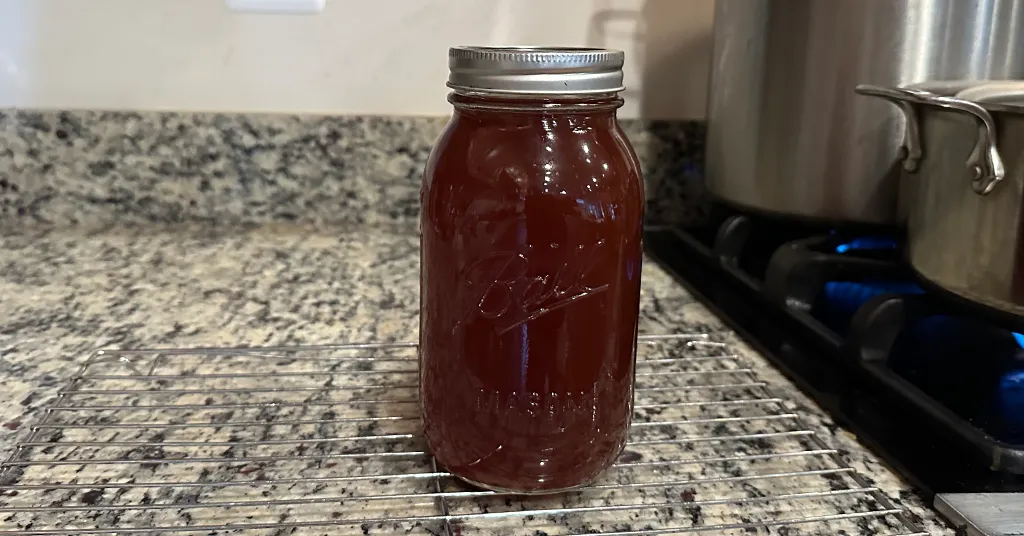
[(357, 56)]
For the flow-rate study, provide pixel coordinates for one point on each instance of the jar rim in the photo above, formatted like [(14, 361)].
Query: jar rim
[(535, 70)]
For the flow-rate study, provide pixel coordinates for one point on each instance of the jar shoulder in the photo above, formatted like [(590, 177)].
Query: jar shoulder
[(546, 156)]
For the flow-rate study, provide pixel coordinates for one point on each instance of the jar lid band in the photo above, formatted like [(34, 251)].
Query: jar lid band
[(535, 70)]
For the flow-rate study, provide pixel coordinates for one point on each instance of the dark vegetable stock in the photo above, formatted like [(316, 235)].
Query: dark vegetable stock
[(530, 281)]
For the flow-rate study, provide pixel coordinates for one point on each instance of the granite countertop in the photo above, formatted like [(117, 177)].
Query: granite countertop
[(160, 229), (70, 291)]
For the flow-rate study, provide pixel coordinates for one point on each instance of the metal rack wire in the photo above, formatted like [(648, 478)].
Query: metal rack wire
[(325, 440)]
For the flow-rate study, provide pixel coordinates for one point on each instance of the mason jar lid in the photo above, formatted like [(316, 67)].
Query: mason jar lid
[(535, 70)]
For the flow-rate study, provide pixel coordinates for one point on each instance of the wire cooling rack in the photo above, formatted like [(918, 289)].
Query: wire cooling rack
[(326, 440)]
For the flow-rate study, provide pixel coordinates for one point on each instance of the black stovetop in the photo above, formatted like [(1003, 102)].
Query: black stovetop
[(933, 385)]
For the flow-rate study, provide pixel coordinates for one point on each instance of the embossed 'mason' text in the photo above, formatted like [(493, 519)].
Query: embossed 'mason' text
[(531, 409)]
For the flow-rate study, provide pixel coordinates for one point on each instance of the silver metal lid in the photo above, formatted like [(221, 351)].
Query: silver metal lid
[(1005, 92), (535, 70)]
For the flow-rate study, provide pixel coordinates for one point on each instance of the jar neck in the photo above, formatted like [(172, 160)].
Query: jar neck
[(485, 103)]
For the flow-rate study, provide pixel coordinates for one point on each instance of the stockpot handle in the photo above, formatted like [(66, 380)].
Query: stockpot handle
[(904, 99), (985, 162)]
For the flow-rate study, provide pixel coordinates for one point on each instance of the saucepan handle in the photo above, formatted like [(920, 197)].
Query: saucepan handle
[(904, 99), (985, 162)]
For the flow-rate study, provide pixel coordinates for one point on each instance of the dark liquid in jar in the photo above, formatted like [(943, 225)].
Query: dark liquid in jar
[(531, 257)]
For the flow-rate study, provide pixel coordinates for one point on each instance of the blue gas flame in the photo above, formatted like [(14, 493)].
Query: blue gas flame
[(867, 242), (1011, 388)]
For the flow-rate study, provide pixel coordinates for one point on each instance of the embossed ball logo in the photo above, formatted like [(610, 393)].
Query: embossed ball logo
[(510, 289)]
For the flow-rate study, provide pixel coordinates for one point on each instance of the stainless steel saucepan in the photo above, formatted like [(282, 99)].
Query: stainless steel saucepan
[(945, 88), (964, 168)]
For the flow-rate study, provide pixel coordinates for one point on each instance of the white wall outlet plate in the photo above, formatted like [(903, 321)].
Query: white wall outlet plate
[(277, 6)]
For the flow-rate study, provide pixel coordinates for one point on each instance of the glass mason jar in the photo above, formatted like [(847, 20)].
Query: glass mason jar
[(532, 210)]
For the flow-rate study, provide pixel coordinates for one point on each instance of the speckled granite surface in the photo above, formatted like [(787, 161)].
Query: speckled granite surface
[(131, 230), (61, 168), (67, 292)]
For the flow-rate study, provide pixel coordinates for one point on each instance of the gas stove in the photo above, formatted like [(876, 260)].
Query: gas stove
[(933, 385)]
